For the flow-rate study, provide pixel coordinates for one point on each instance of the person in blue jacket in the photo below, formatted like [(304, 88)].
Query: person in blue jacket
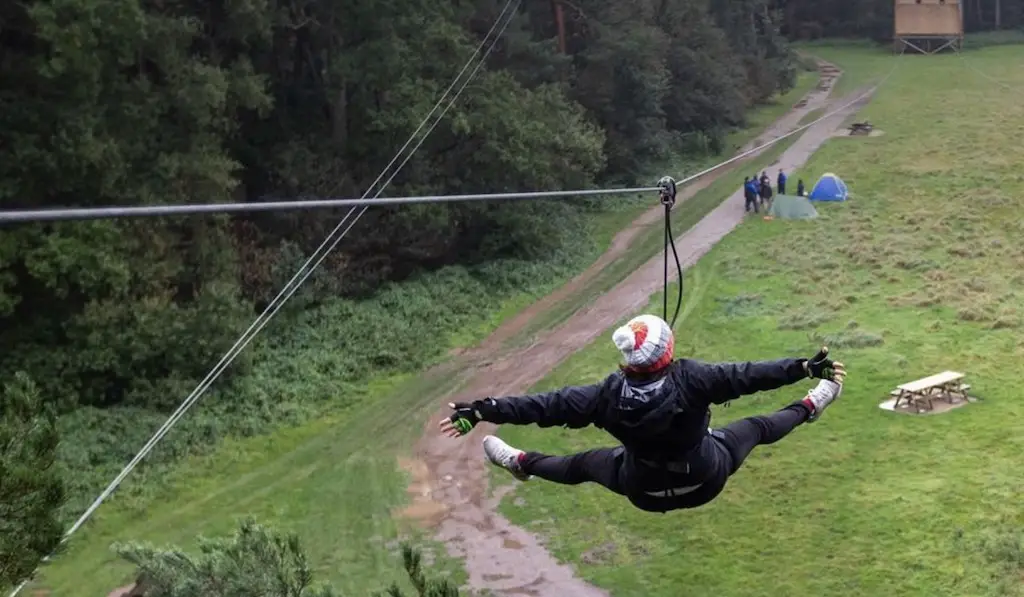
[(781, 182), (749, 195), (659, 410)]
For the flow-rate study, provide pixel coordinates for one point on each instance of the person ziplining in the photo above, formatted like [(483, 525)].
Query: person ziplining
[(659, 410)]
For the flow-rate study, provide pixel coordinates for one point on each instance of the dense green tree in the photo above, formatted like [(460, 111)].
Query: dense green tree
[(701, 60), (331, 131), (753, 29), (256, 560), (111, 103), (31, 491)]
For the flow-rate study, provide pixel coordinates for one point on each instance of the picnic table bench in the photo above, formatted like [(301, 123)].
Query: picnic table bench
[(944, 386), (861, 128)]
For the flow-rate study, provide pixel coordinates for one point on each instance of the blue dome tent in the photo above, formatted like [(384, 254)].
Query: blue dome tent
[(829, 188)]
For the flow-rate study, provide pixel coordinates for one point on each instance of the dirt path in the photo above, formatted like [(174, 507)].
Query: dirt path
[(454, 487)]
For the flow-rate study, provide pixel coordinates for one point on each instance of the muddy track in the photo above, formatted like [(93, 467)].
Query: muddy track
[(450, 482)]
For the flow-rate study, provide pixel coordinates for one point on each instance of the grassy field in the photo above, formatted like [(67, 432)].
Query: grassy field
[(333, 481), (919, 272)]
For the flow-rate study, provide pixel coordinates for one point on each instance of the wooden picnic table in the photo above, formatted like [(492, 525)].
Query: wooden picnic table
[(946, 386)]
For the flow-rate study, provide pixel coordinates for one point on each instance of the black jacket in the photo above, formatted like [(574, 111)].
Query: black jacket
[(659, 421)]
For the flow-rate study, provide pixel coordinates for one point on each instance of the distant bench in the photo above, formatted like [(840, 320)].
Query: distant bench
[(945, 386)]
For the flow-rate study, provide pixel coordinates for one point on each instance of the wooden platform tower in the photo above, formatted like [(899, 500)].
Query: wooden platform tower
[(928, 26)]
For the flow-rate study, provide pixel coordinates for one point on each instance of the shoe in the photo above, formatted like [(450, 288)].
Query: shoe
[(505, 456), (818, 399)]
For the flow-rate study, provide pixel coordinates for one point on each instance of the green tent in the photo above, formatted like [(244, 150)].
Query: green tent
[(791, 207)]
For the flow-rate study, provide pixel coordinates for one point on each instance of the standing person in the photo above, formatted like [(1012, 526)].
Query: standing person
[(766, 188), (800, 187), (781, 184), (768, 195), (749, 195), (659, 409)]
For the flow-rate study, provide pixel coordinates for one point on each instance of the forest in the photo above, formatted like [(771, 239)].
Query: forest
[(105, 326)]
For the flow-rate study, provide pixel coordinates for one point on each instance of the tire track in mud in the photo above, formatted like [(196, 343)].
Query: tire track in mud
[(450, 488)]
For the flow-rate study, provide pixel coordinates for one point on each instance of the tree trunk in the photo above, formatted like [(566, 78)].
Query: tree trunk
[(339, 107), (339, 117), (789, 22), (560, 23)]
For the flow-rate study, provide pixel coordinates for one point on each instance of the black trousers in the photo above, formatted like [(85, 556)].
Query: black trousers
[(751, 202), (605, 465)]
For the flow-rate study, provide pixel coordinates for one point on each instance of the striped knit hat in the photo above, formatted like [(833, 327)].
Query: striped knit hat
[(646, 342)]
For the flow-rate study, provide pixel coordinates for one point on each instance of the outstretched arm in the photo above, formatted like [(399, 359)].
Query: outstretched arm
[(717, 383), (574, 407)]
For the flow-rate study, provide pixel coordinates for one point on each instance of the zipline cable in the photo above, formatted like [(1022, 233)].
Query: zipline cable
[(292, 286), (985, 75), (96, 213)]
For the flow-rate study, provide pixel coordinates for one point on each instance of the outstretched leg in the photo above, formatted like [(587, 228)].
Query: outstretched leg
[(741, 437), (596, 466)]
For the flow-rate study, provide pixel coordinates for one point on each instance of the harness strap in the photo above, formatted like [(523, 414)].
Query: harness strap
[(681, 467), (675, 491)]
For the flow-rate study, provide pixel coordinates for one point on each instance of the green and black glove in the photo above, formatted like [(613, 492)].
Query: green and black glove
[(466, 415), (821, 367)]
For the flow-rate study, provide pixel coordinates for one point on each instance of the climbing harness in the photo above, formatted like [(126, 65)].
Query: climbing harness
[(667, 192)]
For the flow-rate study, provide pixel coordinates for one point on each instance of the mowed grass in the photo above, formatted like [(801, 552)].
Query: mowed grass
[(334, 482), (921, 271)]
